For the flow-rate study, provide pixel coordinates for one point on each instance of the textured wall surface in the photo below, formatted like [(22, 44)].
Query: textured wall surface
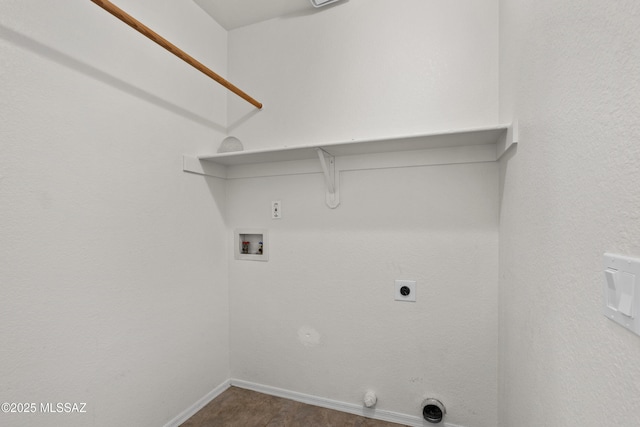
[(320, 316), (570, 72), (366, 69), (113, 275)]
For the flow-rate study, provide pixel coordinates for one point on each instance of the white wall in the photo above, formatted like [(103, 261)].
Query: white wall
[(366, 69), (570, 72), (370, 69), (332, 272), (114, 262)]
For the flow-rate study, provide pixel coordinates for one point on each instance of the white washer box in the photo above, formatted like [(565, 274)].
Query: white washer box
[(255, 237)]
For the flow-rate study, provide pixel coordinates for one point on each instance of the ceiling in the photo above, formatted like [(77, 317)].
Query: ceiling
[(238, 13)]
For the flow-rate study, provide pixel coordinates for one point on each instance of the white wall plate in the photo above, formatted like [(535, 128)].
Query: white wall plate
[(621, 295), (405, 290)]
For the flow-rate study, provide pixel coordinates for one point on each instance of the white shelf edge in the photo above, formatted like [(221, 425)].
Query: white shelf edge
[(508, 140), (481, 144)]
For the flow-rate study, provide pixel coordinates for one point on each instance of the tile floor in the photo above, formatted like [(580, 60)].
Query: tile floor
[(238, 407)]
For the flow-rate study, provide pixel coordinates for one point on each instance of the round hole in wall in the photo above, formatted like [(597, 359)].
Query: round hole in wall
[(433, 411)]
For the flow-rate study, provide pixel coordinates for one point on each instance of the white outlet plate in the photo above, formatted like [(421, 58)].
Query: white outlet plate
[(411, 284), (276, 209), (621, 291)]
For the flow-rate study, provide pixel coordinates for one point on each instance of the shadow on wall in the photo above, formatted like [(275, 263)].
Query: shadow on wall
[(510, 154), (445, 200), (65, 60), (241, 120), (218, 190)]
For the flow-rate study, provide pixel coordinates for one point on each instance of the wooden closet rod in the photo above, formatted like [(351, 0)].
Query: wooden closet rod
[(149, 33)]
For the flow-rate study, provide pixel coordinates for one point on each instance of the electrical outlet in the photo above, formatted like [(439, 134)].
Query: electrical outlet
[(405, 290), (276, 209)]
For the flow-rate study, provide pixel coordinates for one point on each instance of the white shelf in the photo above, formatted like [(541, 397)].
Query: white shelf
[(486, 144), (467, 137)]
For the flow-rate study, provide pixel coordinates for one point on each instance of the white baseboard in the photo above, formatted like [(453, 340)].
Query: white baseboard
[(201, 403), (378, 414)]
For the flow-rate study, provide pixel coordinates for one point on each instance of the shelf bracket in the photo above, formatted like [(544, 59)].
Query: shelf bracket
[(331, 177)]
